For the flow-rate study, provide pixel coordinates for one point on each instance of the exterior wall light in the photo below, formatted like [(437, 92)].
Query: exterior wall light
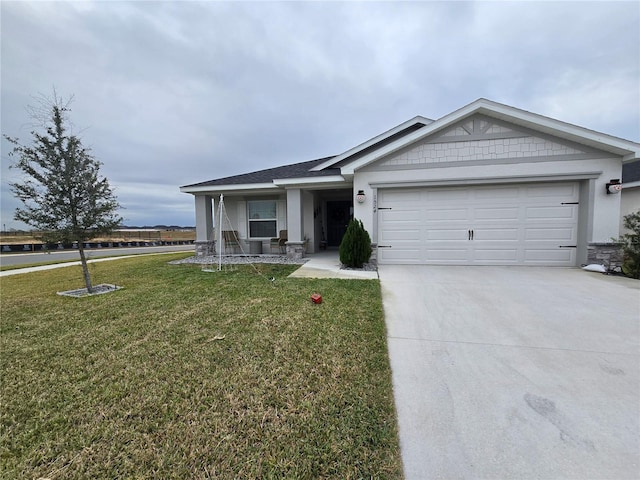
[(614, 186), (360, 196)]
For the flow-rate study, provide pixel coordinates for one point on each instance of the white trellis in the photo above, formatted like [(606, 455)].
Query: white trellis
[(223, 224)]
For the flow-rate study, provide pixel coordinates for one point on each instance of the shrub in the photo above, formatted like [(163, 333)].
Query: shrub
[(355, 249), (631, 245)]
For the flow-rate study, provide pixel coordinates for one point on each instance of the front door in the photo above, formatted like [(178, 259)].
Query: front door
[(338, 217)]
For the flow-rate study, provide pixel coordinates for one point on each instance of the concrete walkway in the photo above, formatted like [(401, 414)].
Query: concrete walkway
[(326, 264), (514, 372)]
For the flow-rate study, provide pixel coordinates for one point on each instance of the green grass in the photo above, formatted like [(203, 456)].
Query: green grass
[(188, 374)]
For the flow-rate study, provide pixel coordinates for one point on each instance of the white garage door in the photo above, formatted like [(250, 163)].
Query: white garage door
[(523, 224)]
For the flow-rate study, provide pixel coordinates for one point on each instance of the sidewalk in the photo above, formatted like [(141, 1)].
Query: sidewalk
[(17, 271)]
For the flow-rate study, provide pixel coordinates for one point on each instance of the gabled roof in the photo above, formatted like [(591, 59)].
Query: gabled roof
[(389, 136), (627, 149), (337, 169), (296, 170)]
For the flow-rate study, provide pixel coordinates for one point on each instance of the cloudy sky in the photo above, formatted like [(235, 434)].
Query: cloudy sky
[(173, 93)]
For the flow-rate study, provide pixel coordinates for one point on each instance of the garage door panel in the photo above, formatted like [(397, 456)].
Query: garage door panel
[(551, 234), (523, 224), (550, 213), (407, 232), (402, 235), (496, 255), (447, 234), (496, 234), (398, 215), (404, 196), (492, 194), (497, 213), (552, 191), (447, 195), (445, 213), (390, 255)]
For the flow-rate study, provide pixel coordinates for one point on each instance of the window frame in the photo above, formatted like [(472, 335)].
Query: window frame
[(273, 219)]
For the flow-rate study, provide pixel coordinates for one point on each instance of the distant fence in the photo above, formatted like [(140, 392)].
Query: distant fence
[(39, 247), (118, 236)]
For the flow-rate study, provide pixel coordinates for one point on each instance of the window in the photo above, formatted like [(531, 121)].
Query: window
[(262, 218)]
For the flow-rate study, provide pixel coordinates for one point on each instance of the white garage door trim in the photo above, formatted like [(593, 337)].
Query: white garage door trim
[(513, 224)]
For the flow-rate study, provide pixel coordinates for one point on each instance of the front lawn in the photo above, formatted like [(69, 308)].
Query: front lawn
[(189, 374)]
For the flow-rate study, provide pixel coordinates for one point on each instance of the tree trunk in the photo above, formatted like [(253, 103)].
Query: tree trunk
[(85, 268)]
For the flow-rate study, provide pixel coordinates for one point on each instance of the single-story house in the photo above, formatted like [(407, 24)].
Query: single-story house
[(488, 184)]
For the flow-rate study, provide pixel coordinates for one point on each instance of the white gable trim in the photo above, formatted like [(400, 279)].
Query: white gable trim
[(628, 150), (409, 123)]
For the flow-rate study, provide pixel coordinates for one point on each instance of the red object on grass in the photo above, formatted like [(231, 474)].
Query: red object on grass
[(316, 298)]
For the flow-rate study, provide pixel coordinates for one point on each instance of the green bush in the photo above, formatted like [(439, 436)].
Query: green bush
[(355, 249), (631, 245)]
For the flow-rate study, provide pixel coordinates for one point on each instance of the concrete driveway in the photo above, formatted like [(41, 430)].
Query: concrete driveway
[(514, 372)]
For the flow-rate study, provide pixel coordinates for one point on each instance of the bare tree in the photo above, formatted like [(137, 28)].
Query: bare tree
[(62, 193)]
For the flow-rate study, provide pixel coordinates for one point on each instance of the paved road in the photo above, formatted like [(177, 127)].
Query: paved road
[(514, 372), (66, 255)]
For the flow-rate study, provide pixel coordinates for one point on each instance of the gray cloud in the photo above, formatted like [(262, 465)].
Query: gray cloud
[(170, 93)]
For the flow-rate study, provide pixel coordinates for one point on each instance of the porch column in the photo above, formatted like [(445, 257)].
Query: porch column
[(205, 244), (295, 244)]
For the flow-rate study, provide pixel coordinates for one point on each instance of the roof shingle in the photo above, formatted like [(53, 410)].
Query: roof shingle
[(295, 170)]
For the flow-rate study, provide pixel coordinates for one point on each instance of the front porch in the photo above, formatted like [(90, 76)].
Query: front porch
[(310, 221)]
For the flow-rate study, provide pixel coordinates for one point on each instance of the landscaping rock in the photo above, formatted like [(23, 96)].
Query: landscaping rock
[(241, 259)]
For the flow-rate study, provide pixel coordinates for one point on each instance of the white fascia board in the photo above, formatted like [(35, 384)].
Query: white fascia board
[(227, 188), (309, 181), (373, 141), (631, 184), (630, 150)]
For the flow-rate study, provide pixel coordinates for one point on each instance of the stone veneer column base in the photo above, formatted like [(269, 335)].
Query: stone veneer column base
[(205, 248), (607, 254), (295, 250), (374, 254)]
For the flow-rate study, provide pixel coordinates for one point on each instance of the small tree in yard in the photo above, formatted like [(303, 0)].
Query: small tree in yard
[(355, 248), (631, 245), (62, 191)]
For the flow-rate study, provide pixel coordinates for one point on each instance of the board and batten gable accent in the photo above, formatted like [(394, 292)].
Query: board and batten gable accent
[(484, 140)]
